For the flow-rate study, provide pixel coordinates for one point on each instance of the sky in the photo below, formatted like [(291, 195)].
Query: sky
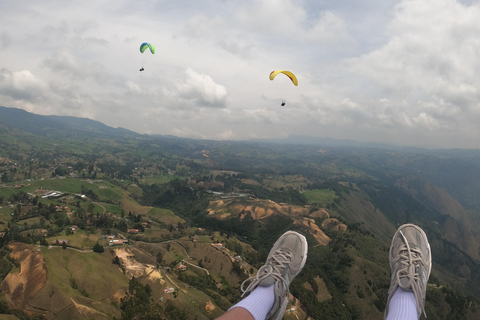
[(402, 72)]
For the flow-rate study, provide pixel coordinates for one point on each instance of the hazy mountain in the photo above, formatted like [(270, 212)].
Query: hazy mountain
[(20, 119)]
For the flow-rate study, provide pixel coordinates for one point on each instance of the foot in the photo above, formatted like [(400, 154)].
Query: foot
[(284, 262), (411, 262)]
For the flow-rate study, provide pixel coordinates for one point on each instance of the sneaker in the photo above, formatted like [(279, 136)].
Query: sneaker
[(284, 262), (411, 262)]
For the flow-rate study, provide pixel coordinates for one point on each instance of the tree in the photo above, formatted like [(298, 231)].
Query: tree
[(64, 245), (159, 257), (98, 248)]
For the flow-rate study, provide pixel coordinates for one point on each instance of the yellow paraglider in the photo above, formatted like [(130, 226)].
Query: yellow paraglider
[(289, 74)]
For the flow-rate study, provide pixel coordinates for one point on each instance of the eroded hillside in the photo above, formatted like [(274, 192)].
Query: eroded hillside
[(258, 209)]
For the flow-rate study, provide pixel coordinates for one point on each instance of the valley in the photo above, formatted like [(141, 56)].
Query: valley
[(93, 223)]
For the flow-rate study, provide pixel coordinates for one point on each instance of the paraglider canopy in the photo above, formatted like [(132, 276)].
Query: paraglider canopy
[(146, 45), (289, 74)]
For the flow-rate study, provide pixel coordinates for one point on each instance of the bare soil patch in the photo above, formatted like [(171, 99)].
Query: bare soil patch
[(20, 287), (322, 214), (209, 306), (133, 268), (334, 224), (309, 224)]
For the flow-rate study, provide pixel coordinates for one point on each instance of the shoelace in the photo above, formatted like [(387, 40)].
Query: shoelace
[(409, 258), (272, 268)]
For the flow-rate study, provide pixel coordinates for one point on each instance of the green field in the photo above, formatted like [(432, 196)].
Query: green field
[(80, 239), (30, 222), (5, 217), (6, 193), (94, 274), (164, 215), (320, 196), (158, 179), (285, 181)]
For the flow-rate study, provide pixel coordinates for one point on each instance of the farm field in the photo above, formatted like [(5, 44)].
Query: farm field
[(321, 196)]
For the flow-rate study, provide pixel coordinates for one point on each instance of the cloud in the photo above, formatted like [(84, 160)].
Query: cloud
[(329, 28), (290, 20), (430, 62), (21, 85), (202, 90), (74, 67), (400, 71), (5, 40)]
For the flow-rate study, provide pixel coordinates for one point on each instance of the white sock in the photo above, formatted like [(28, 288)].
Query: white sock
[(402, 306), (259, 302)]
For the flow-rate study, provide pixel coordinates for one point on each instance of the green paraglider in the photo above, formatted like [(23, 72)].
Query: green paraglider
[(144, 46)]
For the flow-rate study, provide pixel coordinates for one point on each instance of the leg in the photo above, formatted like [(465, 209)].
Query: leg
[(411, 263), (238, 313), (268, 290)]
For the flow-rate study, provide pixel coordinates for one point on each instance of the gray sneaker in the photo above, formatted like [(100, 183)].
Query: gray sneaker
[(284, 262), (411, 262)]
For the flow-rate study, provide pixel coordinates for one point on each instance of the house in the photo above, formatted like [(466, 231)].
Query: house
[(134, 231), (74, 228), (182, 267), (53, 194), (116, 242), (61, 241), (195, 238), (169, 290), (218, 246)]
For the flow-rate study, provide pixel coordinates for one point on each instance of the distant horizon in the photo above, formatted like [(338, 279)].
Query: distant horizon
[(292, 138)]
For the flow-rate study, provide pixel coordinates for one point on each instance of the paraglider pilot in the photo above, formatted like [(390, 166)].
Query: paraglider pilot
[(283, 102), (142, 69)]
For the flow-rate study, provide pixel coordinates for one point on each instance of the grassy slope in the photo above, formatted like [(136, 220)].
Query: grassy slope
[(94, 275), (323, 196)]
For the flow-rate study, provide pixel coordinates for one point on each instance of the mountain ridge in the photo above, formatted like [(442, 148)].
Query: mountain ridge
[(20, 119)]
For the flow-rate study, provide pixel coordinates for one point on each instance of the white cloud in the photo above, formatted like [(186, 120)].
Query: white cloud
[(21, 85), (5, 40), (74, 67), (201, 89)]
